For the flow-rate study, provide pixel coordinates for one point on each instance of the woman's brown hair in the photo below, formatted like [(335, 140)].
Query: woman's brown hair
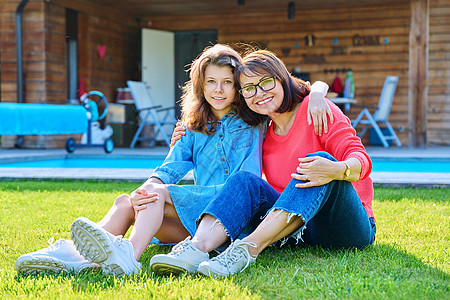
[(264, 62), (196, 112)]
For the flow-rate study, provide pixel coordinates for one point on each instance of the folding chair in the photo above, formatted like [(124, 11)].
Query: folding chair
[(149, 114), (381, 114)]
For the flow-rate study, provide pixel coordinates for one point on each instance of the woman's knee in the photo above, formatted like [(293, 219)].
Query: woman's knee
[(322, 154)]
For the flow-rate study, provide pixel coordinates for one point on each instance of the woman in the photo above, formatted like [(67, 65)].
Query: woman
[(318, 189)]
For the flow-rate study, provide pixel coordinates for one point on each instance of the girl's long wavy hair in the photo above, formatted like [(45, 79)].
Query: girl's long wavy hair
[(196, 112), (264, 62)]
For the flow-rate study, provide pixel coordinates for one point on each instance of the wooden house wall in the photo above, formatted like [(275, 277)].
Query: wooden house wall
[(372, 41), (34, 60), (45, 55), (122, 55), (34, 51), (438, 130)]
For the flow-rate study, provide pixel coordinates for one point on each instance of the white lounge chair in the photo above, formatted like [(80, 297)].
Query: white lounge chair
[(150, 114), (381, 114)]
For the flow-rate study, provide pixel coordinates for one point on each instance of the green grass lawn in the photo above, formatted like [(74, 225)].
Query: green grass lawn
[(409, 260)]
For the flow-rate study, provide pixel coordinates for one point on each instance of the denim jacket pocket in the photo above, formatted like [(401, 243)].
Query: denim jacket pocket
[(241, 135)]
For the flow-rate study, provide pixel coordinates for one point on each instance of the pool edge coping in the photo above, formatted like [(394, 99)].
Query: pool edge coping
[(392, 179)]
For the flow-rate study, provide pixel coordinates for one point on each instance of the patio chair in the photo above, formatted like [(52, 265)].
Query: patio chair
[(150, 114), (381, 114)]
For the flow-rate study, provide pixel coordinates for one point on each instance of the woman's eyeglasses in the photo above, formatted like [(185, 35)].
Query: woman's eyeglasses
[(265, 84)]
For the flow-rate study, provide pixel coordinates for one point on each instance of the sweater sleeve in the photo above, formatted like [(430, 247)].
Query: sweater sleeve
[(342, 142)]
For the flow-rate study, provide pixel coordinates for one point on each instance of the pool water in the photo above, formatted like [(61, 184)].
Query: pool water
[(404, 165), (94, 163), (420, 166)]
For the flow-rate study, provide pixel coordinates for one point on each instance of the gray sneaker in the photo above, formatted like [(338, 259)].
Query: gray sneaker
[(113, 253), (235, 258), (61, 256), (183, 257)]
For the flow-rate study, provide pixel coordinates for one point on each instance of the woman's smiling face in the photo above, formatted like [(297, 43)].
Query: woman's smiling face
[(263, 102)]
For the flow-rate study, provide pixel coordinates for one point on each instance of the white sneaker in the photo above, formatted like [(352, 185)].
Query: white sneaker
[(235, 258), (61, 256), (113, 253), (183, 257)]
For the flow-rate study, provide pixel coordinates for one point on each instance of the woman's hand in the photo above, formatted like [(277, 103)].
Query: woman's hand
[(140, 197), (317, 171), (318, 110), (178, 132)]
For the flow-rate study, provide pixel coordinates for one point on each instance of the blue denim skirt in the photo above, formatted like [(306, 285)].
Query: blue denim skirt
[(190, 201)]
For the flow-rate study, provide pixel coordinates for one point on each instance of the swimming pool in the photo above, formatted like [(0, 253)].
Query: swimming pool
[(145, 162), (90, 163), (423, 165)]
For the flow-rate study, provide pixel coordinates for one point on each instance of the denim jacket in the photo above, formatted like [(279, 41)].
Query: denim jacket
[(234, 146)]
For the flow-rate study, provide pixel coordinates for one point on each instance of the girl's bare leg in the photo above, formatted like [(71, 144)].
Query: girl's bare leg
[(171, 231), (119, 217), (149, 221), (210, 234)]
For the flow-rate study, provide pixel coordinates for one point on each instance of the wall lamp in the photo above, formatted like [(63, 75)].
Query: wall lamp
[(291, 10)]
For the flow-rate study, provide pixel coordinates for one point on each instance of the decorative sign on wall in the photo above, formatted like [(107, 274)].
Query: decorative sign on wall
[(101, 50), (357, 41), (338, 50), (313, 59), (310, 40), (365, 40), (286, 51)]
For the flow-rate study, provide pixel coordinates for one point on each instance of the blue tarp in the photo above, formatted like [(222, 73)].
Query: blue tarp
[(36, 119)]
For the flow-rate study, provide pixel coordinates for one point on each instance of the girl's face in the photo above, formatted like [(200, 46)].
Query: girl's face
[(219, 89), (263, 102)]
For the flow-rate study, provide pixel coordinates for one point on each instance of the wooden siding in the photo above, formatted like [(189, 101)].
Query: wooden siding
[(438, 129), (34, 50), (418, 72), (122, 54), (372, 41), (45, 55)]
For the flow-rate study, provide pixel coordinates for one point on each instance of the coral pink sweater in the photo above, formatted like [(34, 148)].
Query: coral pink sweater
[(280, 153)]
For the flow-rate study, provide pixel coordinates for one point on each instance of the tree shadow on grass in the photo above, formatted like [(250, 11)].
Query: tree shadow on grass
[(94, 281), (89, 281), (376, 271), (381, 271)]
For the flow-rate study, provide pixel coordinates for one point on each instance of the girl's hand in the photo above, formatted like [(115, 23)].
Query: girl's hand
[(178, 132), (317, 171), (140, 197), (318, 110)]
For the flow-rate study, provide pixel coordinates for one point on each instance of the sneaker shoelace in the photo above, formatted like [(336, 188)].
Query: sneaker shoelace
[(180, 247), (234, 253), (119, 241), (54, 246), (50, 241)]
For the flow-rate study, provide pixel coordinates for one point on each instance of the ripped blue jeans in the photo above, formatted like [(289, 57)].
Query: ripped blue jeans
[(333, 214)]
